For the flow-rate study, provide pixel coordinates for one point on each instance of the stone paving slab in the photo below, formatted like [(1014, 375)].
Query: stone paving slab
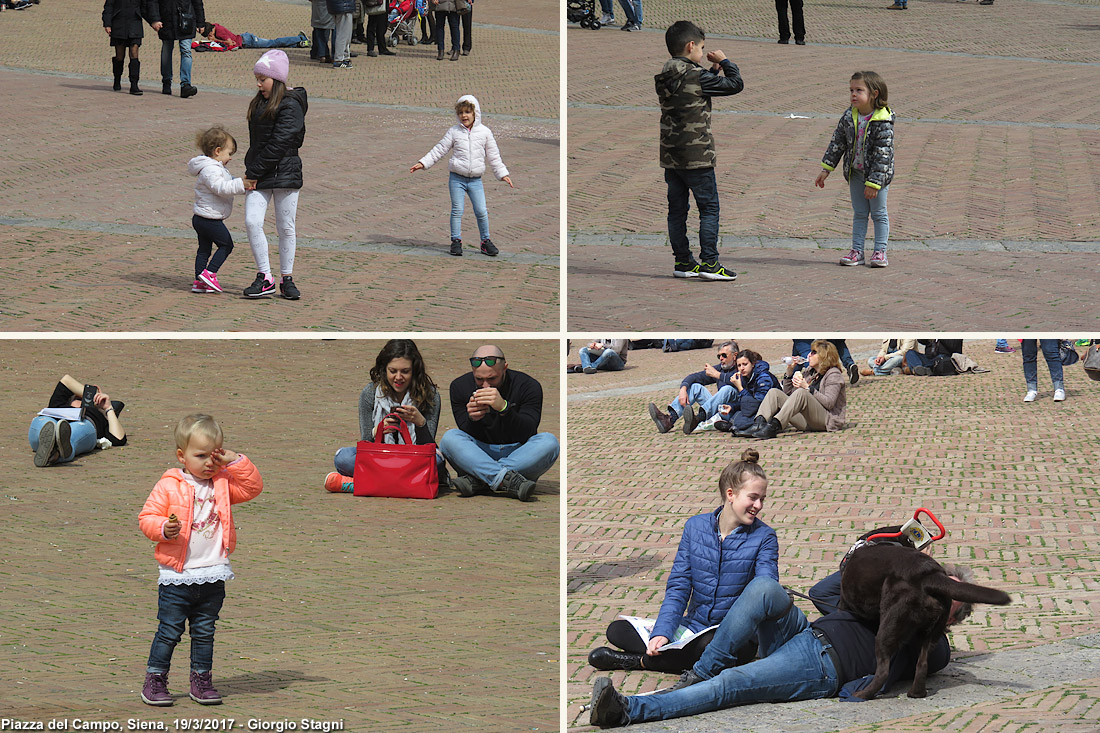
[(387, 614), (1012, 482)]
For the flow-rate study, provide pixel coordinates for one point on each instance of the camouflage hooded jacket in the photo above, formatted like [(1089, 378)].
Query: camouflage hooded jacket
[(878, 162), (684, 89)]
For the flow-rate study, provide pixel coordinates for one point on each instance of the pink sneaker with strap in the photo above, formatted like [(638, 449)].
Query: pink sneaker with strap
[(854, 257)]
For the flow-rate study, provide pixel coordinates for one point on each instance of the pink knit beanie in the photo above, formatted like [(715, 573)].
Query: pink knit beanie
[(273, 64)]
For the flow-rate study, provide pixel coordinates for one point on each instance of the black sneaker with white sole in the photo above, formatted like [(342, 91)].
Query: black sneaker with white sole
[(686, 269), (488, 248), (456, 247), (853, 373), (715, 271), (262, 285), (288, 289)]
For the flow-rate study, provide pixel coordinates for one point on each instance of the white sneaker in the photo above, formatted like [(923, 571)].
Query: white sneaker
[(1030, 396), (607, 19), (1059, 395), (707, 425)]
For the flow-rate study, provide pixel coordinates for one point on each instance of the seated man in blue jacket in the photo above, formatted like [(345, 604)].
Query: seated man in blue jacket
[(693, 390), (496, 445), (834, 655)]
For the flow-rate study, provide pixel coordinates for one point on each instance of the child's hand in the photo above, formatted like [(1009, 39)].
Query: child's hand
[(870, 193), (172, 527), (716, 56), (223, 457), (250, 184), (417, 167), (820, 182), (508, 180)]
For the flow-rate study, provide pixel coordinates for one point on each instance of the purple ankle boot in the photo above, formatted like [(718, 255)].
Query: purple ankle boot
[(202, 689), (155, 690)]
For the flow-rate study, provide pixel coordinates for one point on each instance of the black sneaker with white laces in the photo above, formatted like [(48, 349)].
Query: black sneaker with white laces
[(456, 247), (261, 286), (686, 269), (715, 271), (288, 289), (488, 248)]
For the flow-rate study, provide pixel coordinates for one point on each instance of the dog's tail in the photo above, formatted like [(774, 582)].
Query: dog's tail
[(970, 593)]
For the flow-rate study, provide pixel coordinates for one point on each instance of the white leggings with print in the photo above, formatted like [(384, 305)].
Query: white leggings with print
[(286, 208)]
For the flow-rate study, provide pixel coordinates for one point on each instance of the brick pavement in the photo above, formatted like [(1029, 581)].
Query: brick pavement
[(987, 147), (372, 236), (387, 614), (1012, 482)]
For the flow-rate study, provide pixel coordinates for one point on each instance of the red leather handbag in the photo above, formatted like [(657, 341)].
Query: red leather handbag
[(403, 471)]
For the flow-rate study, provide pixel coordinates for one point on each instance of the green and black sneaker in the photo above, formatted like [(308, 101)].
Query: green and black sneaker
[(686, 269), (715, 271)]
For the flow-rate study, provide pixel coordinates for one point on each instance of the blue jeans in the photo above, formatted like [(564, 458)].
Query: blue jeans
[(1050, 353), (166, 60), (345, 461), (862, 208), (704, 187), (883, 369), (700, 395), (489, 462), (608, 6), (460, 187), (609, 360), (83, 438), (251, 41), (197, 604), (793, 665), (801, 347), (633, 10)]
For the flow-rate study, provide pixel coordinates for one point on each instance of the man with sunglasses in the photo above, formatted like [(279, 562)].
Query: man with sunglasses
[(693, 390), (496, 446)]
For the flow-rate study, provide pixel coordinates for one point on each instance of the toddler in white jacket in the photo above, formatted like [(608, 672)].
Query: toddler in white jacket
[(473, 147), (214, 190)]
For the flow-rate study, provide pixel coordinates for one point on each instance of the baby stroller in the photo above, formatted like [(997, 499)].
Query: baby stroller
[(403, 17), (583, 12)]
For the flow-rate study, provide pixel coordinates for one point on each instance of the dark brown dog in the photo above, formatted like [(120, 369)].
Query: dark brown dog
[(911, 597)]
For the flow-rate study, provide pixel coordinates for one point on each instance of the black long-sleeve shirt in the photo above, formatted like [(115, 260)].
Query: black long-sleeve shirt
[(520, 419)]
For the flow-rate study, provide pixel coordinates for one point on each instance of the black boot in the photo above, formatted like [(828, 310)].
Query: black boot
[(116, 66), (770, 430), (750, 431), (135, 75), (166, 87), (603, 657)]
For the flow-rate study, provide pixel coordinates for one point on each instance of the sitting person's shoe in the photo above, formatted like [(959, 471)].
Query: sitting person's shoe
[(750, 431), (155, 690), (771, 429), (188, 91), (854, 257), (606, 658), (456, 247), (691, 419), (866, 372), (704, 424), (288, 289), (686, 269), (687, 679), (202, 689), (262, 285), (338, 483), (715, 271), (664, 422), (853, 373), (488, 248), (211, 280), (588, 370), (922, 371), (64, 439), (607, 708), (878, 259), (468, 486), (518, 486), (47, 452)]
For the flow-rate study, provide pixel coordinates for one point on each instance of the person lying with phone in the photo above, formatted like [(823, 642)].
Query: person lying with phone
[(94, 417)]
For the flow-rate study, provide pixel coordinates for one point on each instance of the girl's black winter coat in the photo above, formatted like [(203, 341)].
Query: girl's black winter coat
[(272, 157)]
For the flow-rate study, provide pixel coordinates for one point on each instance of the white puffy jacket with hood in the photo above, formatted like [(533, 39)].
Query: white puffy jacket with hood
[(473, 148), (214, 188)]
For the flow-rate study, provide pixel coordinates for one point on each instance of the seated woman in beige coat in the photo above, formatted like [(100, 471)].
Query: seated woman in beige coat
[(811, 400)]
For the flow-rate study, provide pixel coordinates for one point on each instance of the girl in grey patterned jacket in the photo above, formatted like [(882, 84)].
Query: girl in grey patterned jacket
[(865, 138)]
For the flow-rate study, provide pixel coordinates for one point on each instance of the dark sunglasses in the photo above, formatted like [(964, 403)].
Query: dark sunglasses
[(725, 356), (476, 361)]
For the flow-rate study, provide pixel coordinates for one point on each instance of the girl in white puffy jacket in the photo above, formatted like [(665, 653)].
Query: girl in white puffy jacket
[(214, 190), (473, 147)]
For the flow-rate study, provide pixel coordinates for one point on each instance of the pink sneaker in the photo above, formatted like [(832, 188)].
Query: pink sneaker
[(200, 287), (854, 257), (878, 259), (211, 281)]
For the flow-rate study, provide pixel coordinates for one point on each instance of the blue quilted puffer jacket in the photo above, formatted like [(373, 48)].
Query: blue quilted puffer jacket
[(708, 576)]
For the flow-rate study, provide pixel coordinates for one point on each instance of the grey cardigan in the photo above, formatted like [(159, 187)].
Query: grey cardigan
[(424, 435), (830, 390)]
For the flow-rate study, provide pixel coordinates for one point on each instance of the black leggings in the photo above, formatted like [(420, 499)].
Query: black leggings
[(211, 231), (623, 635)]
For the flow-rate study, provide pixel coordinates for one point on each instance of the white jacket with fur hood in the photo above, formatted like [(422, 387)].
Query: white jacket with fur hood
[(473, 148), (214, 188)]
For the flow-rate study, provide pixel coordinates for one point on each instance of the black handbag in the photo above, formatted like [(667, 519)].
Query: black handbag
[(185, 19), (1067, 353)]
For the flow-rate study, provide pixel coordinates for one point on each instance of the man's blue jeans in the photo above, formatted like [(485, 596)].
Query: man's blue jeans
[(252, 41), (700, 395), (460, 187), (83, 438), (1052, 356), (793, 665), (704, 187), (801, 347), (883, 369), (489, 462), (166, 60), (197, 604), (608, 6), (862, 208), (609, 360), (633, 10)]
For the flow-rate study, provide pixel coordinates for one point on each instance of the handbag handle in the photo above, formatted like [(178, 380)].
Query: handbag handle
[(380, 434)]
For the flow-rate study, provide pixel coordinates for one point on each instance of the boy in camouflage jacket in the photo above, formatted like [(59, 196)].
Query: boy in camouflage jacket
[(684, 88)]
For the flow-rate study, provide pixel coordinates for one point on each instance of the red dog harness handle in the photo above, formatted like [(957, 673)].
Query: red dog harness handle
[(916, 514)]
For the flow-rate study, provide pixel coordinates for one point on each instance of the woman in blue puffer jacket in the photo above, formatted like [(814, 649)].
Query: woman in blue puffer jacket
[(719, 553)]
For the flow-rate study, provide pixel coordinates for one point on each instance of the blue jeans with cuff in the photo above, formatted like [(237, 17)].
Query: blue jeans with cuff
[(700, 395), (488, 462), (1053, 358), (704, 187), (252, 41), (461, 187), (196, 605), (82, 437), (608, 361)]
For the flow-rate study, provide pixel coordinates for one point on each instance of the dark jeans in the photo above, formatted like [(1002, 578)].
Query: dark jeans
[(198, 605), (468, 30), (323, 38), (211, 232), (376, 31), (801, 348), (1053, 359), (825, 594), (704, 187), (914, 358), (450, 20), (796, 16)]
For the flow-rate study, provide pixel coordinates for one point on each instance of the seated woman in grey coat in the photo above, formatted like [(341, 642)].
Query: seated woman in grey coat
[(813, 399), (399, 385)]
